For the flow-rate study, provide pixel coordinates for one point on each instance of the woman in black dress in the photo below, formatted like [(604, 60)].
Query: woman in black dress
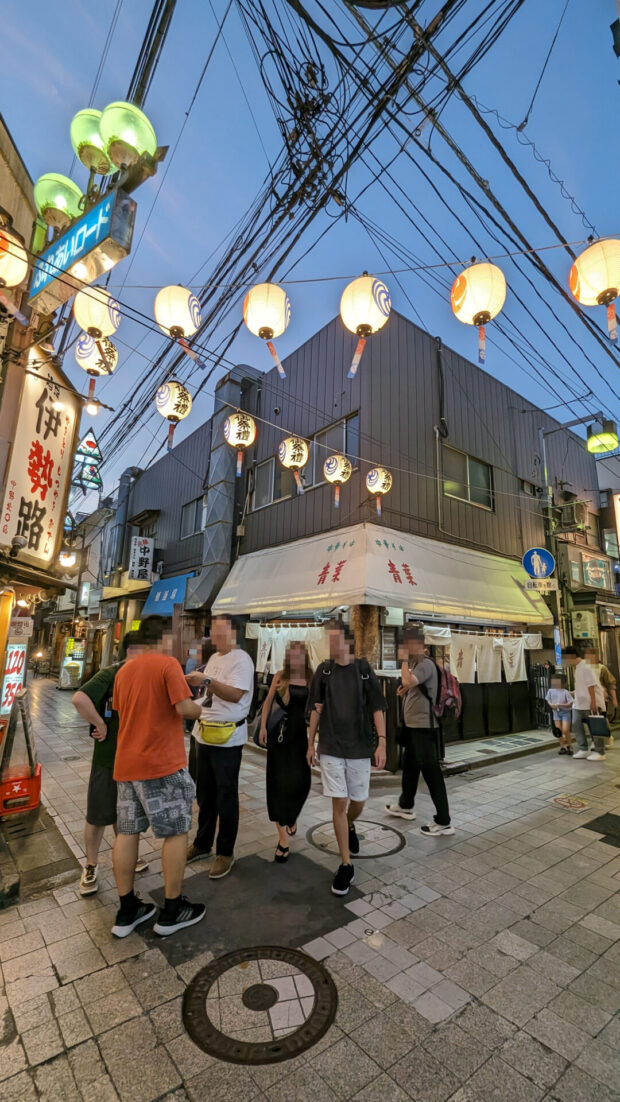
[(288, 772)]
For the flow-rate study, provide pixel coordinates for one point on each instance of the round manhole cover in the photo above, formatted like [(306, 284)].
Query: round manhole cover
[(376, 839), (259, 1006)]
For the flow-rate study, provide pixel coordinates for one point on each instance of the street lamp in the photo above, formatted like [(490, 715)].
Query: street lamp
[(67, 558), (87, 141), (126, 133), (58, 200), (602, 441)]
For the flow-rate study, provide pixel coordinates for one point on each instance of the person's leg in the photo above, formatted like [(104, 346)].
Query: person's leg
[(437, 791), (124, 860), (354, 810), (226, 763), (283, 837), (410, 779), (173, 857), (341, 827), (579, 731), (566, 734), (92, 841), (206, 797), (169, 801)]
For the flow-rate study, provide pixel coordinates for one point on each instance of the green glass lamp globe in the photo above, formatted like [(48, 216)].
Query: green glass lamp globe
[(57, 200), (126, 133), (87, 141)]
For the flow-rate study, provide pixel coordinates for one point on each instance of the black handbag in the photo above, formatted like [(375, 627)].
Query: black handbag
[(597, 726)]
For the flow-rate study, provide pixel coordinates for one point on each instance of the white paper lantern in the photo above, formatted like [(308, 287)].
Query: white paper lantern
[(96, 357), (267, 312), (293, 454), (379, 481), (594, 278), (174, 402), (337, 469), (13, 259), (240, 433), (177, 311), (365, 307), (478, 294), (96, 312)]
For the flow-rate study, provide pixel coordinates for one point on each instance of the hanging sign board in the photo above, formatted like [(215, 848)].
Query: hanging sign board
[(22, 627), (538, 562), (14, 671), (88, 447), (141, 558)]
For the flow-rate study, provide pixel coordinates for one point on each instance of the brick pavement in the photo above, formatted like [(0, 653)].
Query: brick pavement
[(481, 967)]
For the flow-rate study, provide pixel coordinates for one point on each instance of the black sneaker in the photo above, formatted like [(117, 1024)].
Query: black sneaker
[(186, 914), (354, 842), (343, 880), (126, 922)]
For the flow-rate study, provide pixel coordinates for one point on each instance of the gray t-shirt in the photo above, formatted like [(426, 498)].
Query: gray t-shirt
[(417, 705)]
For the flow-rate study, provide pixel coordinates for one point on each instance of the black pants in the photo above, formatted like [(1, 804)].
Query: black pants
[(422, 756), (217, 793)]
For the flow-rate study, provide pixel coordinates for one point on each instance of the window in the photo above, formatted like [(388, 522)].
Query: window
[(604, 496), (341, 437), (528, 488), (192, 518), (467, 479), (611, 543), (263, 479)]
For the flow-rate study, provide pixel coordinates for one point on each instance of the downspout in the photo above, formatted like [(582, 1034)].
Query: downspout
[(441, 432)]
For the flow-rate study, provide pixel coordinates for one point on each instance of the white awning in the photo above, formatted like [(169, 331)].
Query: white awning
[(368, 564)]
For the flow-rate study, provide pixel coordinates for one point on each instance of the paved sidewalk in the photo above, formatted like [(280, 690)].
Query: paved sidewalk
[(484, 966)]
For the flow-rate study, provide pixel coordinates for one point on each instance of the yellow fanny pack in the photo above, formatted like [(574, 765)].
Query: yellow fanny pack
[(216, 734)]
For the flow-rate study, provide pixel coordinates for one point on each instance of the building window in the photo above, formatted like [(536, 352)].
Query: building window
[(343, 437), (467, 478), (528, 487), (611, 543), (604, 496), (192, 518)]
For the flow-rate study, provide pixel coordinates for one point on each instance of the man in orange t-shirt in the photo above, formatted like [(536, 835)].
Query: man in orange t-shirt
[(152, 699)]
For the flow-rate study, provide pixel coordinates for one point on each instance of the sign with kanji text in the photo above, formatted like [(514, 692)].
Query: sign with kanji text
[(542, 585), (39, 471), (21, 627), (14, 671), (141, 558)]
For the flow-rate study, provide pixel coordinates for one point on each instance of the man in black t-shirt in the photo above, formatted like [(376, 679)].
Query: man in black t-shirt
[(345, 697)]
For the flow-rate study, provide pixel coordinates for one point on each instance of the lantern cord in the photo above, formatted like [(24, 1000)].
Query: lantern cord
[(276, 359), (357, 355), (482, 344), (523, 124)]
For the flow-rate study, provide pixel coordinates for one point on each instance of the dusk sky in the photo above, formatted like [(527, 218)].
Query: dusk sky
[(50, 62)]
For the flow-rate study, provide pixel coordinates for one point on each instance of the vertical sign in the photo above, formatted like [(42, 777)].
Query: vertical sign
[(13, 675), (141, 558), (557, 644)]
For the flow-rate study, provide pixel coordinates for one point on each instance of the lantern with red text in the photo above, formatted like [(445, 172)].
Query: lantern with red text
[(293, 454), (378, 482), (364, 308), (240, 433), (174, 403), (594, 278), (267, 312), (337, 469), (478, 294)]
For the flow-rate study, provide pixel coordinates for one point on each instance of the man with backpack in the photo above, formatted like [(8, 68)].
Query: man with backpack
[(345, 698), (423, 693)]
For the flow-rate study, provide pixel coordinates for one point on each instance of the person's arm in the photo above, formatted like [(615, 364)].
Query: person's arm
[(408, 678), (312, 730), (188, 709), (86, 709), (266, 708), (229, 693), (593, 704), (380, 752)]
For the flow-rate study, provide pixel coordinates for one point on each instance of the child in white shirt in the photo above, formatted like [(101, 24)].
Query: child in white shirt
[(561, 703)]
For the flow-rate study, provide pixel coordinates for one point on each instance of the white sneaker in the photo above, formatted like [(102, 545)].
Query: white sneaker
[(595, 756), (434, 828), (88, 882), (141, 865), (610, 742), (400, 812), (580, 754)]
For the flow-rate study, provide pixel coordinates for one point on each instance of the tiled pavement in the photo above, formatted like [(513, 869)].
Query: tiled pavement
[(475, 968)]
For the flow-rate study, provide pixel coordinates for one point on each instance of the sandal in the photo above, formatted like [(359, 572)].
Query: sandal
[(281, 854), (291, 831)]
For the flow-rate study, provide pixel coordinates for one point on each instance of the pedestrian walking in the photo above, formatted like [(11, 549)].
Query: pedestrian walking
[(152, 699), (419, 735), (93, 702), (589, 700), (608, 683), (345, 698), (220, 734), (560, 702), (283, 731)]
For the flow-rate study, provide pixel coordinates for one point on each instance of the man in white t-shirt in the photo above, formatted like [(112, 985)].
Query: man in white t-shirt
[(589, 699), (228, 681)]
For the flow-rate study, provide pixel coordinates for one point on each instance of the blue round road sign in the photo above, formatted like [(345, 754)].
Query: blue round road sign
[(538, 562)]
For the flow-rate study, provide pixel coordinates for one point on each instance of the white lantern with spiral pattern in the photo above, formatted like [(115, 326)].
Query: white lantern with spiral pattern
[(240, 433), (365, 307), (379, 481), (177, 311), (293, 454), (337, 469), (267, 312), (174, 402)]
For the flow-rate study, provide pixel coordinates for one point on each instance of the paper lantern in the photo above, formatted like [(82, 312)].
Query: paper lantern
[(96, 312), (240, 433), (293, 454), (267, 312), (87, 141), (13, 259), (337, 469), (58, 200), (364, 308), (478, 295), (378, 482), (594, 278), (174, 403), (602, 440), (96, 357), (67, 558), (177, 311), (126, 134)]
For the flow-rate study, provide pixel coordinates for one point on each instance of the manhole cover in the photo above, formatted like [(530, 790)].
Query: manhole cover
[(259, 1006), (376, 839)]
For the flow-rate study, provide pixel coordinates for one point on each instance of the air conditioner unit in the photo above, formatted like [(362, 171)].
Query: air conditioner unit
[(574, 516)]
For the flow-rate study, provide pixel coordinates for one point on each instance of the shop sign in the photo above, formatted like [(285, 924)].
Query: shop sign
[(88, 448), (575, 571), (94, 599), (109, 611), (596, 572), (538, 562), (84, 595), (13, 675), (141, 558), (557, 647), (33, 503), (21, 627), (542, 585)]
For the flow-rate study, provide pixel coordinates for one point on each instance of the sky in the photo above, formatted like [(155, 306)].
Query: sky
[(218, 166)]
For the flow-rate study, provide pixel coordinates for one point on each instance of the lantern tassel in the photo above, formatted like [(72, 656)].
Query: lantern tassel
[(276, 359), (337, 496), (300, 485), (482, 344), (612, 325), (239, 462), (355, 362), (91, 387), (190, 352), (378, 505), (171, 435)]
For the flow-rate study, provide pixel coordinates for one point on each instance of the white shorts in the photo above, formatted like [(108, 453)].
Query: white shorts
[(345, 777)]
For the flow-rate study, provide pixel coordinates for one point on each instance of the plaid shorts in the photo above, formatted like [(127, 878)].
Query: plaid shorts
[(164, 803)]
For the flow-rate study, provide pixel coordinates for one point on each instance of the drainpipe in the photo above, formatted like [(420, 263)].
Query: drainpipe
[(121, 536), (441, 432)]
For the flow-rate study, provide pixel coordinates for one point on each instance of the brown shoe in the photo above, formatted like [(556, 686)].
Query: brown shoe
[(195, 854), (221, 867)]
